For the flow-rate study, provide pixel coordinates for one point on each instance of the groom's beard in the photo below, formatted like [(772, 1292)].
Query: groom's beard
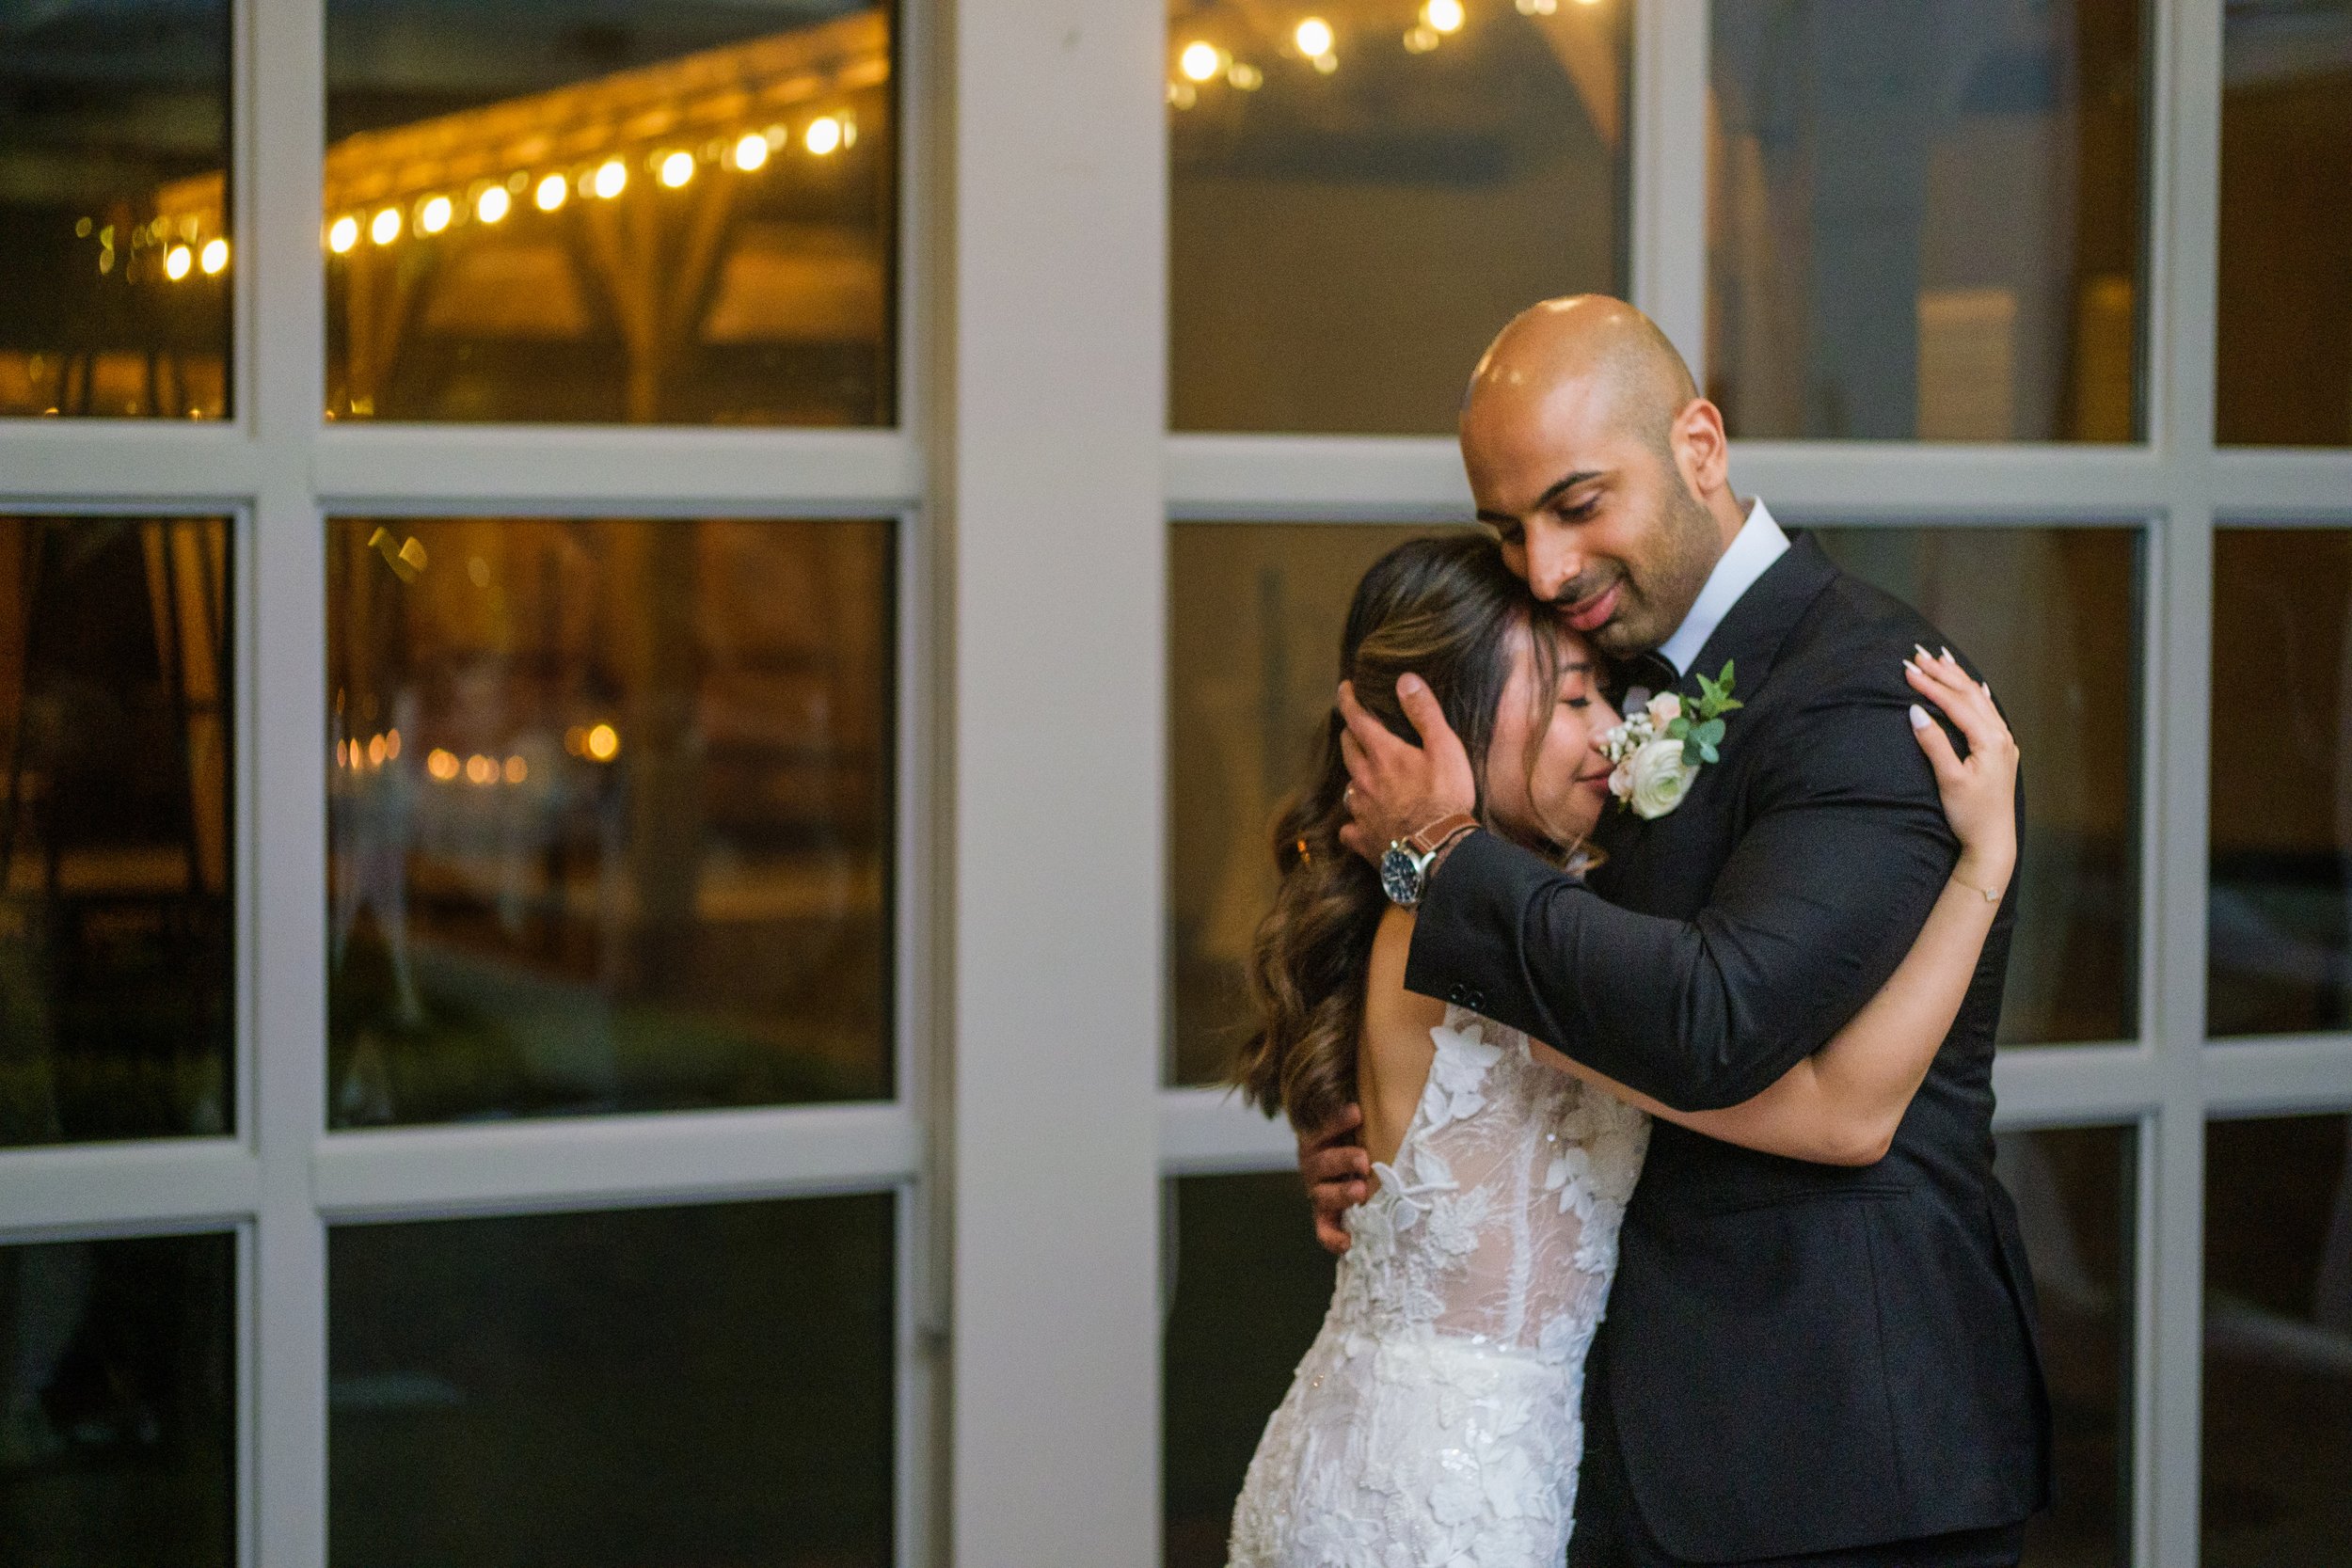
[(1657, 588)]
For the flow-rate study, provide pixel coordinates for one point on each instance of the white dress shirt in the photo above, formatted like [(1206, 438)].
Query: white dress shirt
[(1755, 546)]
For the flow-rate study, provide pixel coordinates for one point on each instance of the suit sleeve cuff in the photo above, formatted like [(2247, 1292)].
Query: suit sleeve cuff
[(1466, 941)]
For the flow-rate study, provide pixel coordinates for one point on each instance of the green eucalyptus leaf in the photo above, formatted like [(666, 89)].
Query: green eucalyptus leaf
[(1678, 729), (1693, 753), (1710, 733), (1709, 754)]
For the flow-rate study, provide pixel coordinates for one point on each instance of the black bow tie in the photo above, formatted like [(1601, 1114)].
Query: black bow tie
[(1652, 672)]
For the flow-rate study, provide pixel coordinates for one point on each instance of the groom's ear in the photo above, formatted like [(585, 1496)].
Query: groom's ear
[(1702, 450)]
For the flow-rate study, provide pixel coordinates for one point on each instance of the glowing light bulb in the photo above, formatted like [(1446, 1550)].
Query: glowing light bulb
[(1199, 62), (177, 262), (676, 168), (610, 180), (823, 136), (1183, 95), (492, 204), (441, 764), (1541, 8), (1313, 37), (1444, 16), (386, 228), (1245, 76), (550, 194), (517, 771), (375, 750), (751, 153), (1326, 63), (434, 214), (1420, 40), (343, 234), (391, 743), (480, 770), (214, 258), (602, 742)]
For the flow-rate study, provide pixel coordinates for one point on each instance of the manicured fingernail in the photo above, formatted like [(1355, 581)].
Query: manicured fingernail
[(1919, 717), (1913, 667), (1921, 649), (1948, 657)]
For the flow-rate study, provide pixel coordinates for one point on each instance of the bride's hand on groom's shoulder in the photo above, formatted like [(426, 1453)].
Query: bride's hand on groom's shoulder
[(1337, 1172), (1979, 791)]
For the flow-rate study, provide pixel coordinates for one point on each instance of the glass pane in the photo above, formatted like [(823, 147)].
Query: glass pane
[(2075, 1192), (116, 251), (2278, 1343), (119, 1404), (1926, 219), (2283, 322), (577, 211), (1349, 224), (1254, 646), (610, 815), (117, 1012), (2052, 616), (1247, 1291), (2278, 919), (618, 1390)]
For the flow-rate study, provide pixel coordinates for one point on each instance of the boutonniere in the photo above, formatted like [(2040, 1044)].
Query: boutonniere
[(1659, 748)]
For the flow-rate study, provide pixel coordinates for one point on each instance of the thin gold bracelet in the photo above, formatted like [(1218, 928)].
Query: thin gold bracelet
[(1986, 894)]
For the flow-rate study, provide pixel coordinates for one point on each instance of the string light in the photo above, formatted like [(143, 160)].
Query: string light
[(214, 259), (602, 742), (1245, 76), (1420, 40), (551, 193), (676, 168), (1541, 8), (343, 234), (177, 262), (751, 153), (1326, 63), (611, 178), (386, 228), (1183, 95), (1313, 37), (1444, 16), (434, 214), (492, 204), (823, 136), (1199, 62)]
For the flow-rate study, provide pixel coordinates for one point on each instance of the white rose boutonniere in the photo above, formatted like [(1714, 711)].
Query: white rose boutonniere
[(1662, 745)]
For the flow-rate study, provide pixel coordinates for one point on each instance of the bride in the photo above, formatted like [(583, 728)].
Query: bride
[(1436, 1421)]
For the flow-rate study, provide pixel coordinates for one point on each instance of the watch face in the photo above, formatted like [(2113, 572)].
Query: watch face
[(1400, 879)]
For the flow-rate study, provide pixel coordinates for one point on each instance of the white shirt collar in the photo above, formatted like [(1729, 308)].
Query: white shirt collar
[(1755, 548)]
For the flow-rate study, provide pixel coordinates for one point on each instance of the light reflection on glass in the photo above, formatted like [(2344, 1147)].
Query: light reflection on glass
[(610, 816)]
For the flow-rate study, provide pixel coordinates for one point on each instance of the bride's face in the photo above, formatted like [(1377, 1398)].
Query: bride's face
[(1560, 799)]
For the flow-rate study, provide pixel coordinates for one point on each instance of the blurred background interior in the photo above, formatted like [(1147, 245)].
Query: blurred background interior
[(616, 810)]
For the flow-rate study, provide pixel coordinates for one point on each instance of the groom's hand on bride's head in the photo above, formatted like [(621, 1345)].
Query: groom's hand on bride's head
[(1396, 787), (1337, 1172)]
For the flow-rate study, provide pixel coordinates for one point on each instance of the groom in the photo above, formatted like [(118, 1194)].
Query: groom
[(1801, 1364)]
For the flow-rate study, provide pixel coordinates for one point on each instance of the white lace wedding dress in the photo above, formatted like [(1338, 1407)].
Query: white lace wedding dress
[(1437, 1421)]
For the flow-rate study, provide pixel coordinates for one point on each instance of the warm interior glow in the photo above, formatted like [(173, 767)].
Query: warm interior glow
[(611, 178), (177, 260), (343, 234), (603, 742), (676, 168), (492, 204), (751, 153), (1313, 36), (386, 228), (823, 136), (516, 769), (551, 192), (1199, 62), (434, 214), (1445, 16), (214, 258), (441, 764)]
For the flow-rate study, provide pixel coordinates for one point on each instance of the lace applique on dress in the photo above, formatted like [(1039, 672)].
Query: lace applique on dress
[(1436, 1423)]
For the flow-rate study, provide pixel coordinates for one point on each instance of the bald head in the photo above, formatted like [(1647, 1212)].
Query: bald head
[(1600, 348), (1601, 469)]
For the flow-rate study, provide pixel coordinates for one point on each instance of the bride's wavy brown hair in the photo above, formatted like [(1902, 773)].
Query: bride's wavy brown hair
[(1448, 609)]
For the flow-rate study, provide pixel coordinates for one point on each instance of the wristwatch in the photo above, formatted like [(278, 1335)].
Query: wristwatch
[(1404, 869)]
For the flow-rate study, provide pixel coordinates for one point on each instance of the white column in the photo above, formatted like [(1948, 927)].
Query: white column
[(1049, 496)]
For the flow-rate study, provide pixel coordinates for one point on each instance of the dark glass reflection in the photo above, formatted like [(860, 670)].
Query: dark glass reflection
[(2278, 911), (2076, 1192), (577, 209), (2283, 373), (620, 1390), (1926, 219), (1343, 238), (119, 1404), (1248, 1290), (1254, 618), (2278, 1441), (610, 814), (2052, 616), (116, 990), (115, 244)]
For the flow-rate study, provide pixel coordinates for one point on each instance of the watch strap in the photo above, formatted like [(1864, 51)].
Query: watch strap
[(1429, 840)]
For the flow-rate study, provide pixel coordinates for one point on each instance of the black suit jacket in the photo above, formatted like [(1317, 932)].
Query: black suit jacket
[(1797, 1359)]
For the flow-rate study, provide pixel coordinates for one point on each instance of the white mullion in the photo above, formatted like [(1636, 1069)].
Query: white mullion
[(1668, 166), (284, 767), (632, 470), (167, 1183), (1207, 1132), (613, 1162), (2278, 1075), (125, 465), (2185, 145), (2282, 487)]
